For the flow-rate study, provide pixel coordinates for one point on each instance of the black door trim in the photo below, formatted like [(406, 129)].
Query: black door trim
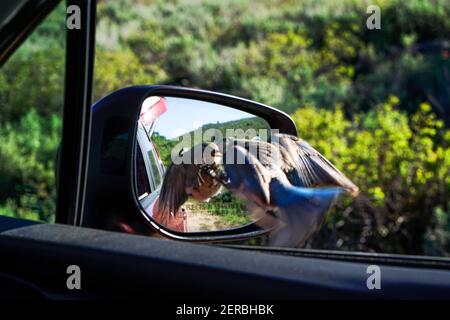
[(363, 257)]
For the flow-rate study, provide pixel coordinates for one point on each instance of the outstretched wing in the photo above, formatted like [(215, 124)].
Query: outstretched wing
[(300, 212), (309, 168)]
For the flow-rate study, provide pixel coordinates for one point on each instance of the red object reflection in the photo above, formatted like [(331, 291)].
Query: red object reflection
[(152, 108)]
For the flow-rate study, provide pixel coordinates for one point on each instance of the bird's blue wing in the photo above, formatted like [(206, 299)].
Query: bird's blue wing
[(300, 211)]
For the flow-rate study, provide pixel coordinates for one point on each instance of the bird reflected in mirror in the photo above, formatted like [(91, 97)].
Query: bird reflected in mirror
[(284, 181)]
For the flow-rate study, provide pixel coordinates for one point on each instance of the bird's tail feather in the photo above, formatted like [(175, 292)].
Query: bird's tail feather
[(300, 212)]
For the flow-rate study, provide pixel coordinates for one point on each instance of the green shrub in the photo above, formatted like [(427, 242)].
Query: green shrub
[(402, 166), (27, 166)]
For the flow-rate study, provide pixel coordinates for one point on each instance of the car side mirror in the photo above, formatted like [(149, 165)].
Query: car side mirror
[(137, 135)]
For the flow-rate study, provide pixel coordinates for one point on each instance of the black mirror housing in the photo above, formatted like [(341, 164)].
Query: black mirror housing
[(110, 190)]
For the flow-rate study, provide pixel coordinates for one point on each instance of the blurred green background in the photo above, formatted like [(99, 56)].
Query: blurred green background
[(375, 102)]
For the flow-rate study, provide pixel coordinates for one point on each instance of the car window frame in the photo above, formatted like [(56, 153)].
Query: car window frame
[(141, 163), (15, 31), (148, 150), (80, 56), (79, 74)]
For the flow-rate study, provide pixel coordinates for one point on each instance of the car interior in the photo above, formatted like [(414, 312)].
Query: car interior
[(110, 170)]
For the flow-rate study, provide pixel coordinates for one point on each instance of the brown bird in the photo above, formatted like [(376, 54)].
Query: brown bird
[(277, 178), (190, 179)]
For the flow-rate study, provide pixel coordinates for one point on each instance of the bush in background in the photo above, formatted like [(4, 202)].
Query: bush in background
[(402, 166)]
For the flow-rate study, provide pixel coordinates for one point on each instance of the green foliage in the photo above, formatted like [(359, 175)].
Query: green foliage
[(289, 53), (402, 166), (31, 100), (437, 238), (116, 70), (27, 166), (34, 76), (164, 147)]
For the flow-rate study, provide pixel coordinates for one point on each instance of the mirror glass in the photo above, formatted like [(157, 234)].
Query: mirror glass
[(168, 128)]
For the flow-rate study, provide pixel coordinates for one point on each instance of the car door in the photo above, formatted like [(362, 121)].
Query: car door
[(37, 257)]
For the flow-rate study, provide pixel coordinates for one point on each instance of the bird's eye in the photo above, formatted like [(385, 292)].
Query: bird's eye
[(182, 151)]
